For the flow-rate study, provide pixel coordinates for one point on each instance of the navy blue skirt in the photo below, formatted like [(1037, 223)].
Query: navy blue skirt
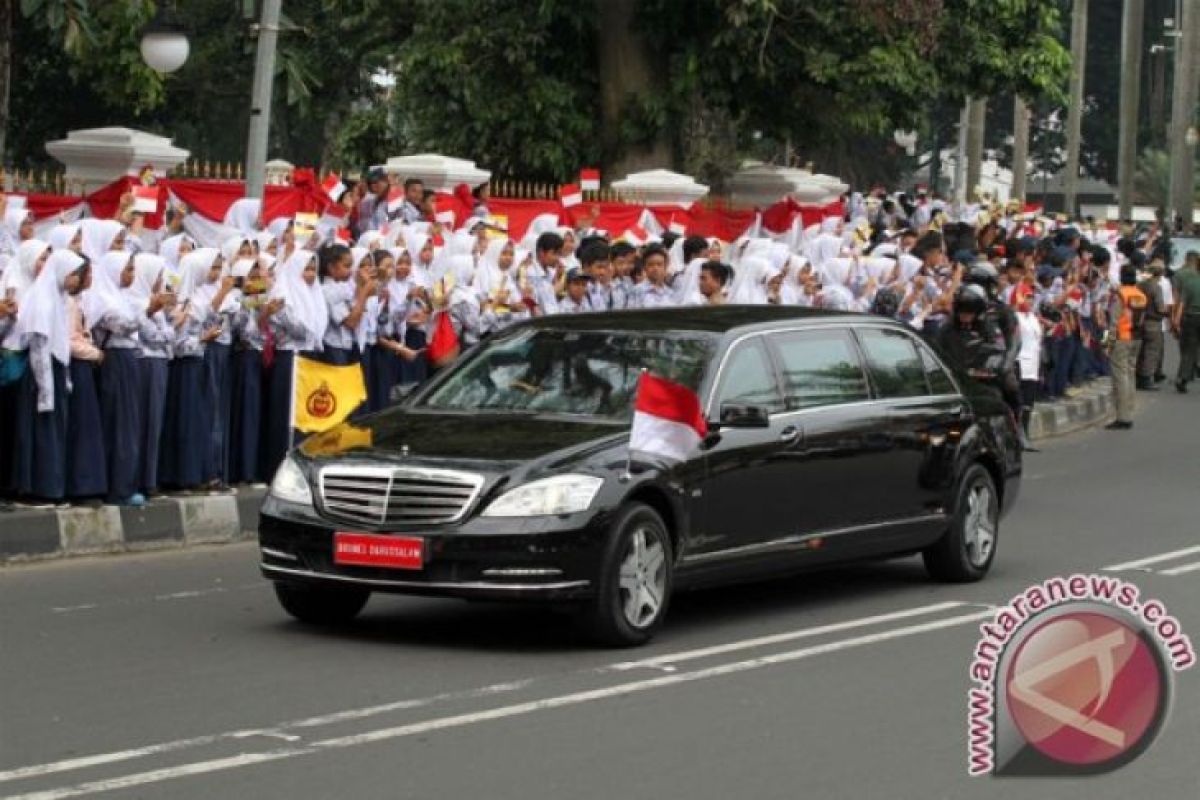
[(87, 474), (38, 459), (338, 356), (415, 371), (120, 416), (382, 369), (8, 432), (277, 423), (244, 429), (187, 429), (153, 392), (217, 361)]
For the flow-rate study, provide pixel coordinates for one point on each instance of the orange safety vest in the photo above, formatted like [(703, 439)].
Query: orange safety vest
[(1132, 300)]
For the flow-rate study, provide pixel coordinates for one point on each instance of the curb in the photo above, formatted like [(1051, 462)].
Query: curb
[(1092, 406), (177, 522), (172, 522)]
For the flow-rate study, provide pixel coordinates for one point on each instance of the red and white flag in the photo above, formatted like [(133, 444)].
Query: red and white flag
[(145, 199), (636, 236), (446, 218), (570, 194), (333, 186), (589, 179), (677, 227), (395, 199), (344, 235), (667, 419)]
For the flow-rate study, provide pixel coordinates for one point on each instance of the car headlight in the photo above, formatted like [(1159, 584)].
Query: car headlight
[(562, 494), (290, 485)]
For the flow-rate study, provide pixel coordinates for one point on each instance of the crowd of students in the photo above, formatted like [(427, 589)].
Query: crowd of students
[(136, 365)]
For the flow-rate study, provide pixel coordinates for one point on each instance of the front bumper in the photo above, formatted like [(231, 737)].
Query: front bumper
[(542, 558)]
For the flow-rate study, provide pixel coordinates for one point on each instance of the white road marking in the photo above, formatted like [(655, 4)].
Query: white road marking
[(100, 759), (661, 662), (1145, 562), (519, 709), (1181, 569)]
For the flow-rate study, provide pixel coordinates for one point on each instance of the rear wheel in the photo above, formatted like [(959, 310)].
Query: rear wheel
[(966, 551), (635, 579), (320, 605)]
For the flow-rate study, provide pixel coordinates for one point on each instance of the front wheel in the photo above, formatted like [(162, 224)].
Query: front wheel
[(966, 550), (635, 579), (319, 605)]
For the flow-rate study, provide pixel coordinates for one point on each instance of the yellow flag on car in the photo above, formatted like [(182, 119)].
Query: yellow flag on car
[(325, 394)]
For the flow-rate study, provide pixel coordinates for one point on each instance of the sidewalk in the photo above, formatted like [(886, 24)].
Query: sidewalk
[(174, 522)]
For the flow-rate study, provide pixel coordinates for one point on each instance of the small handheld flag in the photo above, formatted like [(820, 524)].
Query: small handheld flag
[(570, 194), (145, 199), (589, 179), (395, 199), (333, 186)]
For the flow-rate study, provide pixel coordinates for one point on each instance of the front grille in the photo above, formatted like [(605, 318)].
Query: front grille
[(394, 497)]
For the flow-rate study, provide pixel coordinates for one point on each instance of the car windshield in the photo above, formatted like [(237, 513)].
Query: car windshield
[(591, 373)]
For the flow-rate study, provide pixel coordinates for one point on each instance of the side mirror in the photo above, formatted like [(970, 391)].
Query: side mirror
[(742, 415), (401, 391)]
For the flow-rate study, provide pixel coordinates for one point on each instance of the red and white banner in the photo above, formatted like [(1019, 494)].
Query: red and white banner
[(667, 419), (333, 186), (589, 179), (570, 194)]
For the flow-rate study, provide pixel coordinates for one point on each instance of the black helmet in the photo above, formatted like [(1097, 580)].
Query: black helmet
[(971, 298), (886, 303), (984, 275)]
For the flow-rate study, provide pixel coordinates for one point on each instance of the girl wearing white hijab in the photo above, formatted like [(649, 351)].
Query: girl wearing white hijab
[(500, 297), (18, 228), (366, 335), (15, 286), (186, 456), (750, 282), (408, 312), (39, 453), (113, 315), (101, 236), (226, 300), (463, 302), (172, 250), (297, 327), (156, 335), (250, 353), (66, 237)]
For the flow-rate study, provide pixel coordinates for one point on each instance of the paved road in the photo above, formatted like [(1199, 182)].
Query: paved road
[(176, 676)]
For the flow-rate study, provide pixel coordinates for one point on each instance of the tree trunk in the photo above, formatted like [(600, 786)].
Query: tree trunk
[(6, 12), (627, 72)]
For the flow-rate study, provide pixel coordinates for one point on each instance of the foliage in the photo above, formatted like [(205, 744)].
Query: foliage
[(507, 84), (1152, 181)]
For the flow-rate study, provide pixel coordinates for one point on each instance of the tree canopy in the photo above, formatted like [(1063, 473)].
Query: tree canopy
[(537, 89)]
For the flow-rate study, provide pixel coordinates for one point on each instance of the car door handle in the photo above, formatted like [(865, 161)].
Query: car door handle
[(790, 435)]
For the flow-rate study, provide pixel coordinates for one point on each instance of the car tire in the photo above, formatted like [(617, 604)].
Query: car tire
[(636, 578), (320, 605), (966, 550)]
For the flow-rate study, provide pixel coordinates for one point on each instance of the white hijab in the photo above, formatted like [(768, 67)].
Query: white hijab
[(462, 269), (243, 215), (194, 288), (304, 302), (489, 278), (105, 298), (750, 282), (687, 283), (98, 237), (20, 275), (147, 269), (44, 312), (61, 236)]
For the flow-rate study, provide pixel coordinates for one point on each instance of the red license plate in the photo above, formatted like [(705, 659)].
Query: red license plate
[(372, 550)]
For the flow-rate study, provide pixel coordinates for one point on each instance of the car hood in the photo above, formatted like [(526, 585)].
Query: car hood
[(491, 442)]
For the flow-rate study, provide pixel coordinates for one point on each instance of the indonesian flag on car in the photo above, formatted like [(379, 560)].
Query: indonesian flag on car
[(333, 186), (145, 199), (570, 194), (589, 179), (667, 419)]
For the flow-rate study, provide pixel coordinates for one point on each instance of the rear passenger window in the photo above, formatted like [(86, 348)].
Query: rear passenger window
[(935, 373), (748, 378), (894, 363), (820, 368)]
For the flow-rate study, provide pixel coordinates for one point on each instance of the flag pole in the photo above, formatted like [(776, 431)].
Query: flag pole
[(627, 475), (292, 400)]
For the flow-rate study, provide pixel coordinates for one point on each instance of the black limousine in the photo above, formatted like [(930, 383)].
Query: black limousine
[(832, 437)]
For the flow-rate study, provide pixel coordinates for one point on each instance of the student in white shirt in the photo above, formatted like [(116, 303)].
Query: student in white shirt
[(1029, 360)]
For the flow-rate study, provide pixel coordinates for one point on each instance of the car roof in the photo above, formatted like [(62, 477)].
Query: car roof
[(700, 319)]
